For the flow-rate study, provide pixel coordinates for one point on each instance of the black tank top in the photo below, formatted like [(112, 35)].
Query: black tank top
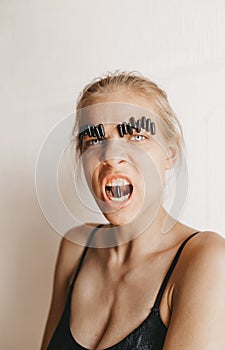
[(149, 335)]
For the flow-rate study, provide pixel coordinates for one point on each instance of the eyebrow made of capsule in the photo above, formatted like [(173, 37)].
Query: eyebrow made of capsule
[(98, 131)]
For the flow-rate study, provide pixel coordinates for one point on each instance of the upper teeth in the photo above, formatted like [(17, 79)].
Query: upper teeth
[(117, 182)]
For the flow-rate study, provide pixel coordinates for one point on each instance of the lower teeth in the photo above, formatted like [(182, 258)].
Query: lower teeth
[(119, 199)]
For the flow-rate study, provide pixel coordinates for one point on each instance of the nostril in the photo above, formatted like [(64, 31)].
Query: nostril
[(114, 161)]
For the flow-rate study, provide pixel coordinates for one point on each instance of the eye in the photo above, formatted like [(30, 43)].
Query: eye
[(93, 142), (138, 138)]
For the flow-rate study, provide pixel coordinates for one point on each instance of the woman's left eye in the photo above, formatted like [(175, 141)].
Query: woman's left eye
[(137, 138)]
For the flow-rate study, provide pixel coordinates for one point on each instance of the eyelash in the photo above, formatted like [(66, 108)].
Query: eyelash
[(95, 142)]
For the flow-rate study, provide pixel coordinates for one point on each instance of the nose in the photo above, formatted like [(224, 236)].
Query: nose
[(113, 153)]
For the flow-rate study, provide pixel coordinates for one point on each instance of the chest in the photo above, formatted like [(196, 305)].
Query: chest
[(107, 305)]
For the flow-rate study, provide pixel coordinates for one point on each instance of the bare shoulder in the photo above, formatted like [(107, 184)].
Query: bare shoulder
[(198, 306), (205, 245), (72, 246), (203, 253), (208, 239)]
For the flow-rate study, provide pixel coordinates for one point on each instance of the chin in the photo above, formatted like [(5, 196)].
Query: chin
[(122, 214), (119, 218)]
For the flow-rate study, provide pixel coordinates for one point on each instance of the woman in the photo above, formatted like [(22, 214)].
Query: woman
[(130, 287)]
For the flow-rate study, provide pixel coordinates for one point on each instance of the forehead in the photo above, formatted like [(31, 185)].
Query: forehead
[(113, 112)]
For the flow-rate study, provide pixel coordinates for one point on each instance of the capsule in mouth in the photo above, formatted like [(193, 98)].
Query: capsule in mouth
[(117, 192)]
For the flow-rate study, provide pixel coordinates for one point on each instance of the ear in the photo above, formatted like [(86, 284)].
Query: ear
[(171, 156)]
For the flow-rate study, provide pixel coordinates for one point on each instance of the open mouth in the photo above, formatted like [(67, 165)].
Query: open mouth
[(118, 190)]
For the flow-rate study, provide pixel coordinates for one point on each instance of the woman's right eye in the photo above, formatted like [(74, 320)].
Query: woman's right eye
[(92, 142)]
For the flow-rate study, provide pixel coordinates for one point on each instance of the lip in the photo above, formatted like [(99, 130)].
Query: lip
[(116, 176)]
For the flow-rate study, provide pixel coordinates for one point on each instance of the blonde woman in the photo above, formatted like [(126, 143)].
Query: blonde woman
[(144, 280)]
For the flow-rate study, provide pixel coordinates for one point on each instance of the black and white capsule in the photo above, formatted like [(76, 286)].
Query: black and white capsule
[(88, 130), (120, 129), (143, 122), (118, 191), (101, 130), (133, 122), (129, 129), (148, 124), (92, 131), (153, 128), (138, 125), (124, 128), (97, 133)]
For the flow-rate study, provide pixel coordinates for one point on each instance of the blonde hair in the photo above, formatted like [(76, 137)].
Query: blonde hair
[(135, 82)]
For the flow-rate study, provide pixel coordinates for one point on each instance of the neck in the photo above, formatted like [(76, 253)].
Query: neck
[(146, 240)]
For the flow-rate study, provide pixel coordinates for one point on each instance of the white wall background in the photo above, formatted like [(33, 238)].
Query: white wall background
[(49, 50)]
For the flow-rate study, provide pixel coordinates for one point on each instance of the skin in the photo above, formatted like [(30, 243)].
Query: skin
[(117, 286), (125, 165)]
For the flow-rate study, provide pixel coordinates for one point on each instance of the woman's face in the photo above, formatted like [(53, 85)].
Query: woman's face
[(125, 174)]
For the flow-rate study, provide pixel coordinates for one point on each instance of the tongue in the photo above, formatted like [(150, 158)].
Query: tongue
[(119, 191)]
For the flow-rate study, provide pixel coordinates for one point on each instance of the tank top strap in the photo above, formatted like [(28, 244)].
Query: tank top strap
[(169, 272), (84, 254)]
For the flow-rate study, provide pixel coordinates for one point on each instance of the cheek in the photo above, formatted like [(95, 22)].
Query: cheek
[(91, 167), (89, 160), (158, 156)]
